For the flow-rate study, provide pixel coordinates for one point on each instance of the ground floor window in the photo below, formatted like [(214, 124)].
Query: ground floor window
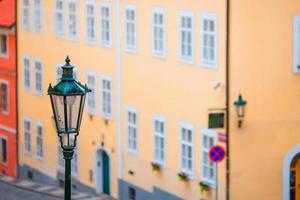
[(3, 150)]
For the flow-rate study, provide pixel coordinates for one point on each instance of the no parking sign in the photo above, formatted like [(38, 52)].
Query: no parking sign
[(216, 153)]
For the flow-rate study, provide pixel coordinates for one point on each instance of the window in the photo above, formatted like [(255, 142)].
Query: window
[(37, 15), (158, 32), (38, 77), (3, 45), (59, 17), (74, 162), (4, 97), (3, 150), (208, 138), (27, 135), (73, 19), (159, 123), (25, 15), (187, 149), (90, 21), (106, 96), (39, 141), (209, 40), (296, 63), (131, 193), (132, 130), (26, 73), (105, 24), (186, 37), (91, 97), (61, 161), (130, 28)]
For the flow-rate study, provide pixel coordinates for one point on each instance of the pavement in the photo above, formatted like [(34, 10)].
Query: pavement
[(46, 190)]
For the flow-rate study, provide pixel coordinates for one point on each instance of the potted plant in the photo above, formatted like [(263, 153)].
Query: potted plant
[(204, 186), (156, 166), (183, 176)]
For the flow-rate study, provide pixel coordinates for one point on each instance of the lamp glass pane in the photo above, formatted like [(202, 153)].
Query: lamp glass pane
[(81, 110), (58, 106), (73, 109), (68, 140)]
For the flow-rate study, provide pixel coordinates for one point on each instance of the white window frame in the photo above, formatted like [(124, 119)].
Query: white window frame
[(161, 119), (70, 35), (104, 43), (213, 64), (26, 119), (25, 87), (91, 110), (104, 77), (5, 55), (37, 92), (37, 20), (3, 137), (159, 53), (62, 12), (39, 124), (189, 126), (182, 58), (128, 47), (6, 112), (135, 111), (26, 26), (211, 134), (296, 45), (90, 40)]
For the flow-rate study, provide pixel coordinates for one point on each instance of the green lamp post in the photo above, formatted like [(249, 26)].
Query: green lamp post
[(67, 101), (240, 104)]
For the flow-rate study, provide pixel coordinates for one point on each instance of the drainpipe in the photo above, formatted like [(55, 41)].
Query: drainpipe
[(119, 92), (16, 89), (227, 99)]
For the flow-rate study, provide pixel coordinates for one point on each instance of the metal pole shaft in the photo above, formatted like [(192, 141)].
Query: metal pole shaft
[(68, 155), (217, 184)]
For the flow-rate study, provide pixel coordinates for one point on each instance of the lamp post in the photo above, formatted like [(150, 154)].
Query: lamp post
[(240, 104), (67, 101)]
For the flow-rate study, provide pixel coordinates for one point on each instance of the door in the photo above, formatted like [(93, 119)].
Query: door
[(106, 172), (103, 172)]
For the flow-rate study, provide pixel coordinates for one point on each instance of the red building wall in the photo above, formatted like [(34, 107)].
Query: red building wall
[(8, 73)]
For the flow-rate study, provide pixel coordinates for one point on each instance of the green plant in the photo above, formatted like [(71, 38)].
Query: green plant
[(183, 176), (204, 186)]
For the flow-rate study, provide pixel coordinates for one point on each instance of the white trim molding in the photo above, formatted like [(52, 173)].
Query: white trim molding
[(8, 129), (286, 171)]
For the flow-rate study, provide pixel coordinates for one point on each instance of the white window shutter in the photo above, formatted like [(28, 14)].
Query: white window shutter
[(296, 62)]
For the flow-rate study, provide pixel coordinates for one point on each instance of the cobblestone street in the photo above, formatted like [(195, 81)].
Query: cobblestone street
[(8, 192)]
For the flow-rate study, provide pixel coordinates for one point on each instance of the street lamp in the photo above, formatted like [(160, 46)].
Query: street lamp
[(240, 104), (67, 101)]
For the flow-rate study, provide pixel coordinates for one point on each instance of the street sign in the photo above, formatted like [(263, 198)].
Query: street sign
[(222, 137), (216, 153)]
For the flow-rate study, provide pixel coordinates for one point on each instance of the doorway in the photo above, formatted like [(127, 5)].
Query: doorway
[(295, 178), (102, 172)]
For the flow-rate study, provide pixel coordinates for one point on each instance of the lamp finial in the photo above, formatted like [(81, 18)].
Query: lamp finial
[(67, 60)]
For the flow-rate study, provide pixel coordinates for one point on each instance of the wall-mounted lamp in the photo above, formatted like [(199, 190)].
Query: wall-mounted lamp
[(240, 109)]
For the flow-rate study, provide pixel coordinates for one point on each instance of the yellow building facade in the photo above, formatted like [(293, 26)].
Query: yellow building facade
[(157, 70), (264, 69)]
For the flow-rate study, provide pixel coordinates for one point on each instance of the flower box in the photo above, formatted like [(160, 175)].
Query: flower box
[(204, 187), (183, 176), (156, 166)]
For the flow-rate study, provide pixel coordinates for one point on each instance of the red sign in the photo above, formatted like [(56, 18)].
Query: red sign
[(216, 153), (222, 137)]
